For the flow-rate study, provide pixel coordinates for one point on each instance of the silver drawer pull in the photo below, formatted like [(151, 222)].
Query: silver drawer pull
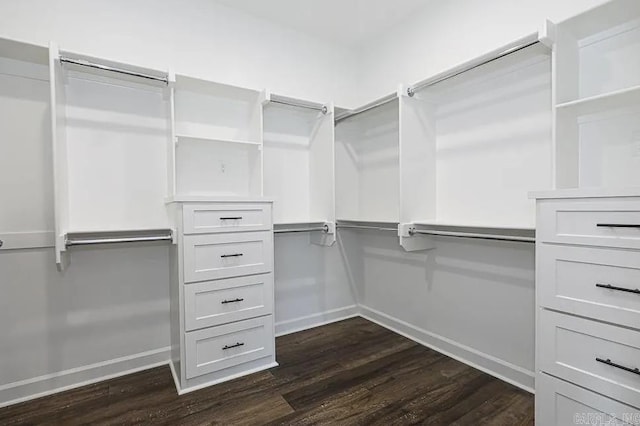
[(617, 225), (237, 345), (621, 367), (611, 287), (231, 218), (231, 255), (224, 302)]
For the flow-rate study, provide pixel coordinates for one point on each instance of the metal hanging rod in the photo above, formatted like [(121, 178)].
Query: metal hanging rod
[(283, 100), (323, 228), (369, 227), (513, 48), (114, 238), (474, 235), (367, 107), (85, 63)]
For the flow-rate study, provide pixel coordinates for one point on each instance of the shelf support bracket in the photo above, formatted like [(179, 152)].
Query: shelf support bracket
[(324, 238), (410, 241)]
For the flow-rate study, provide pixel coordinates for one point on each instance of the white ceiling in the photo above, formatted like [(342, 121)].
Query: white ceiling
[(346, 21)]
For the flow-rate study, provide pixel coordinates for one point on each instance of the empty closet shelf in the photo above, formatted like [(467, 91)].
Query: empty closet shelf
[(594, 104)]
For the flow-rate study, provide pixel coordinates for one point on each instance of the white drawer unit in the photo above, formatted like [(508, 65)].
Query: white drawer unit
[(588, 313), (222, 291), (212, 303), (212, 218), (217, 348), (210, 257), (572, 405), (608, 222), (591, 354), (591, 282)]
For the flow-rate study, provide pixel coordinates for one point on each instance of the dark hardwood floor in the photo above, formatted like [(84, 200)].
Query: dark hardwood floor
[(350, 372)]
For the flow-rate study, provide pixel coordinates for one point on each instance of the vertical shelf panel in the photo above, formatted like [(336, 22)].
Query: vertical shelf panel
[(417, 158), (26, 219), (322, 169)]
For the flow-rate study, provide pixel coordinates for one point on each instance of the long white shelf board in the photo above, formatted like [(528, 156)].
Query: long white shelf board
[(216, 199), (618, 99), (586, 193), (210, 139)]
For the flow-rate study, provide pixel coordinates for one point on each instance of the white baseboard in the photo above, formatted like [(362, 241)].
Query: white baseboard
[(48, 384), (37, 387), (315, 320), (501, 369)]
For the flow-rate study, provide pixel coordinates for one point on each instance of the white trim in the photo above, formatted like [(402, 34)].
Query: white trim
[(316, 320), (48, 384), (501, 369), (175, 376), (221, 380), (45, 385), (27, 240)]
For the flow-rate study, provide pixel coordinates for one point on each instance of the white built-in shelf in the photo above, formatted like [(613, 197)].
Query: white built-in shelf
[(208, 198), (211, 139), (587, 193), (600, 103)]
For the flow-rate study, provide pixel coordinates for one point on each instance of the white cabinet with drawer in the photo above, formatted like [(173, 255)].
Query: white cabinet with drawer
[(222, 293), (588, 317), (591, 354), (600, 283), (568, 404), (217, 348), (218, 302), (210, 257), (210, 218), (606, 222)]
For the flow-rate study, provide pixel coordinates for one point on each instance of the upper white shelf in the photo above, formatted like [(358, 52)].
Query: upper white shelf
[(599, 103), (202, 138), (586, 193), (601, 18), (189, 198)]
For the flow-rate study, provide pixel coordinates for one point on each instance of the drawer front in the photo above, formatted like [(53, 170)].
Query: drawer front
[(219, 302), (211, 257), (592, 282), (603, 222), (217, 348), (212, 218), (577, 350), (559, 403)]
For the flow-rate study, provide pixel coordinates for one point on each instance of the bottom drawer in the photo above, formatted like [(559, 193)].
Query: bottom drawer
[(217, 348), (559, 403)]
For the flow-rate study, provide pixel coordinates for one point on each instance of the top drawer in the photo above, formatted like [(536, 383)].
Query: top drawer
[(213, 218), (606, 222)]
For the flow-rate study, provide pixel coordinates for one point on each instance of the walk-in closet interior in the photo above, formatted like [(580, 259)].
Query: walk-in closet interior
[(341, 212)]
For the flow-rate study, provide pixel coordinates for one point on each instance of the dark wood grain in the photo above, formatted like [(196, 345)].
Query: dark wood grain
[(353, 372)]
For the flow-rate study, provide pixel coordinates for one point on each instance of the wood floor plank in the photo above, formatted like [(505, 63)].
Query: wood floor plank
[(352, 372)]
